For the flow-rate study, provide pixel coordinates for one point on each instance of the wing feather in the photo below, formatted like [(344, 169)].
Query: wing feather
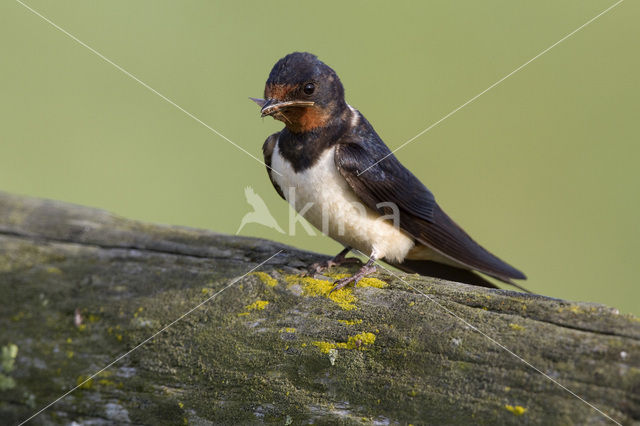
[(420, 215), (387, 181)]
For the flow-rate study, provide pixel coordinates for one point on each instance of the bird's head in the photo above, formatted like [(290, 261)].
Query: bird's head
[(303, 93)]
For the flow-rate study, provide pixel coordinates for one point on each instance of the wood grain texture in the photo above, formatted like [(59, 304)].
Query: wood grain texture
[(274, 347)]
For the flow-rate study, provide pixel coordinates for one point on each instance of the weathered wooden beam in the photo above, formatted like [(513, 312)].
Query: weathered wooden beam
[(80, 287)]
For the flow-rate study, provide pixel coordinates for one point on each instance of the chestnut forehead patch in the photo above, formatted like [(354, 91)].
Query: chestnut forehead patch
[(278, 91)]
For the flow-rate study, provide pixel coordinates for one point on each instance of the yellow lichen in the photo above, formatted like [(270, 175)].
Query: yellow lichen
[(359, 341), (344, 298), (266, 278), (315, 287), (288, 330), (516, 327), (573, 309), (258, 305), (351, 322), (325, 347), (54, 270), (241, 314), (364, 282), (517, 410), (372, 282), (84, 382)]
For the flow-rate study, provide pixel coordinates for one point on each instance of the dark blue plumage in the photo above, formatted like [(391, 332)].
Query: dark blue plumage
[(308, 97)]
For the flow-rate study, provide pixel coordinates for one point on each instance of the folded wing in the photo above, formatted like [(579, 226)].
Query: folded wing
[(420, 216)]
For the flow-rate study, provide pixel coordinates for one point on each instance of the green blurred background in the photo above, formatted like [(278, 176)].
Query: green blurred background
[(542, 170)]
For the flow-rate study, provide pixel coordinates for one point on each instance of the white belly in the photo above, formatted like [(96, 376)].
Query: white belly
[(324, 198)]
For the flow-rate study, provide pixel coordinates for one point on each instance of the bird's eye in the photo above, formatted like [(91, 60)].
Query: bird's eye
[(309, 88)]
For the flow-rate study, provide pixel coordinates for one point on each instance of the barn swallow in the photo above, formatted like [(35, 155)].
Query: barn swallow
[(333, 168)]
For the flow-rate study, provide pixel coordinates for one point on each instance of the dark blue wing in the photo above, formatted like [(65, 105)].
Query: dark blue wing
[(420, 216), (386, 181)]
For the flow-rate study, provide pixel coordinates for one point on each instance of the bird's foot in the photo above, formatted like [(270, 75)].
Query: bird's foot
[(363, 272), (338, 260), (320, 267)]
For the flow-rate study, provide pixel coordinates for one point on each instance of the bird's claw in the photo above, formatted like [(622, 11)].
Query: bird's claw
[(363, 272), (343, 282), (319, 267)]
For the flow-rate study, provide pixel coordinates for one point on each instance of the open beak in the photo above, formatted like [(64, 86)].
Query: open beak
[(271, 106)]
